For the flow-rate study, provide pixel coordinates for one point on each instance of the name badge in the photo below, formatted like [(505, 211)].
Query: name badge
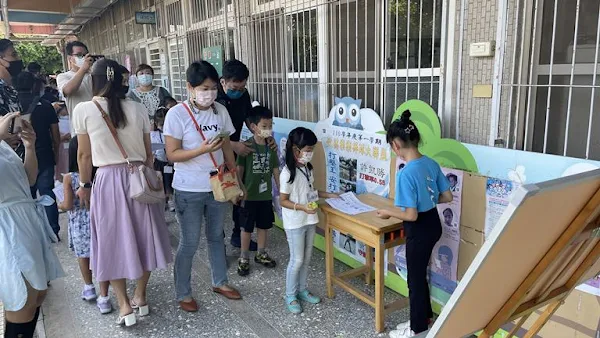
[(168, 169), (313, 196), (262, 187)]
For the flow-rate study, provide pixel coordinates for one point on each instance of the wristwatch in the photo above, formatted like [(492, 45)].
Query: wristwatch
[(85, 185)]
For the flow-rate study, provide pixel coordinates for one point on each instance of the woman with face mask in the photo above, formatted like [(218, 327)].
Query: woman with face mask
[(146, 92), (197, 137)]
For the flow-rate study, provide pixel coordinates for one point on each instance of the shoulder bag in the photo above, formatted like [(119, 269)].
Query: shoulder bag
[(223, 181), (145, 186)]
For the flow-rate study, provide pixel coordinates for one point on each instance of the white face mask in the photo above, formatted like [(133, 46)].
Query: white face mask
[(265, 133), (145, 79), (305, 157), (79, 61), (205, 98)]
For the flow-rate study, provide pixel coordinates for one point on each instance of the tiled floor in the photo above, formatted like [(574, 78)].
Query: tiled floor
[(261, 313)]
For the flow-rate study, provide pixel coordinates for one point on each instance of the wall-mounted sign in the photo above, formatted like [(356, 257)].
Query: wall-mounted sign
[(145, 18), (214, 56)]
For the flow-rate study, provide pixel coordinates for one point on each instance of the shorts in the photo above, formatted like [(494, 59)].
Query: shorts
[(167, 178), (256, 213)]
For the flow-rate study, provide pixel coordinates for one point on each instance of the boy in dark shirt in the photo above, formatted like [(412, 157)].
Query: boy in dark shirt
[(257, 170)]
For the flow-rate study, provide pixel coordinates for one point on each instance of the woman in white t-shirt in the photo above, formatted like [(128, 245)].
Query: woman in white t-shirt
[(189, 129), (129, 239)]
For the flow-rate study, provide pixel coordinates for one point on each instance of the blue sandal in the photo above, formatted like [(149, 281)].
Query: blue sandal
[(293, 305), (308, 297)]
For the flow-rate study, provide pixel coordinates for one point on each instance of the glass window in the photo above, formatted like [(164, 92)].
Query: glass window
[(302, 41)]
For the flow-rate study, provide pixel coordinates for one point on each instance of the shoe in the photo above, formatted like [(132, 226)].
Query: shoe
[(229, 294), (104, 305), (143, 310), (190, 306), (237, 242), (404, 333), (264, 259), (293, 305), (407, 324), (89, 294), (243, 267), (171, 205), (128, 320), (308, 297)]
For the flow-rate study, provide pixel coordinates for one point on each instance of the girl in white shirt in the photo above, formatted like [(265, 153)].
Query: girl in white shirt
[(161, 163), (190, 128), (297, 192)]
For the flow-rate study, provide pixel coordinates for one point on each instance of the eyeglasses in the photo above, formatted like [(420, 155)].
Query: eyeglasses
[(78, 55)]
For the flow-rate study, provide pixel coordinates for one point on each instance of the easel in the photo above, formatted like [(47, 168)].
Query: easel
[(545, 244), (547, 285)]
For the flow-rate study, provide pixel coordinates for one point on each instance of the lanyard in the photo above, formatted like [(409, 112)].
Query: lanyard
[(265, 165), (306, 174)]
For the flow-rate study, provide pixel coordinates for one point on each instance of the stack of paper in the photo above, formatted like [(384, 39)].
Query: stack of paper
[(349, 204)]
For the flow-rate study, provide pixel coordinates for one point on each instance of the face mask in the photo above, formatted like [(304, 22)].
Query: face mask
[(234, 94), (305, 157), (15, 68), (265, 133), (79, 61), (145, 79), (205, 98)]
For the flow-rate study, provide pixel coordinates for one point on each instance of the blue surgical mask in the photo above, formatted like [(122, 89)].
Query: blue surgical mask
[(234, 94)]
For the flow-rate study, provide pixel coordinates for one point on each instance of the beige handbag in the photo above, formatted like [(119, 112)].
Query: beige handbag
[(223, 181), (145, 186)]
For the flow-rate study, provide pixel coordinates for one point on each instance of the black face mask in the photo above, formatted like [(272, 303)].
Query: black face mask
[(15, 68)]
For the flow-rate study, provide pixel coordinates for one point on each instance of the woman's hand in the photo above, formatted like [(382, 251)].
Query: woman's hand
[(206, 147), (65, 138), (241, 149), (5, 122), (84, 196), (272, 144), (383, 214), (27, 135), (306, 209)]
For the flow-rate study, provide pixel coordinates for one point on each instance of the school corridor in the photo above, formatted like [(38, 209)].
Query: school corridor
[(261, 312)]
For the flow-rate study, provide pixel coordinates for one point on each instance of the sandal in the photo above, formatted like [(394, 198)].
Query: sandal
[(293, 305), (143, 310), (127, 320)]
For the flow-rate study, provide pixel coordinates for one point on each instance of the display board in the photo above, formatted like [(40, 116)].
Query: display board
[(542, 247)]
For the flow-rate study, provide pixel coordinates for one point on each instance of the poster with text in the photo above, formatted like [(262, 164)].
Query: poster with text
[(357, 155), (498, 194), (444, 257)]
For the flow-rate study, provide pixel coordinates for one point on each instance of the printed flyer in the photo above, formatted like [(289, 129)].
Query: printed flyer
[(498, 194), (444, 258)]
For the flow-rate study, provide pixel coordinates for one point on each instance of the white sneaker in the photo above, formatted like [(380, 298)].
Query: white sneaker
[(404, 325), (404, 333)]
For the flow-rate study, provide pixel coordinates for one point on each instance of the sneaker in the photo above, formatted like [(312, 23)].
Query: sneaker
[(88, 294), (171, 205), (308, 297), (404, 333), (243, 267), (104, 305), (404, 325), (293, 305), (264, 259)]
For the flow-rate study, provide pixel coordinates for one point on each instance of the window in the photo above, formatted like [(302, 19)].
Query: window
[(174, 17), (178, 67)]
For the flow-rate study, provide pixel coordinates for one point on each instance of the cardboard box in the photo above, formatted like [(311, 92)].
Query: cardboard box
[(473, 201)]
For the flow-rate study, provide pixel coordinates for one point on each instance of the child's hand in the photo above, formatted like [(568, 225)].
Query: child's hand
[(383, 214), (308, 210)]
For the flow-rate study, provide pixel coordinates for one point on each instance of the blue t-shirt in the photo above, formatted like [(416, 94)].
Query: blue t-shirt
[(419, 184)]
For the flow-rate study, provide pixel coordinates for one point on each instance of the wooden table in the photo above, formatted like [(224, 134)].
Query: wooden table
[(376, 233)]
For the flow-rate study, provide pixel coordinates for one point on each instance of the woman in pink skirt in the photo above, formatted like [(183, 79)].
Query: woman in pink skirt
[(129, 239)]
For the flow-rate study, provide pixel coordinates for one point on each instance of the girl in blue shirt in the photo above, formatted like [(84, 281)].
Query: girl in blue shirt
[(420, 186)]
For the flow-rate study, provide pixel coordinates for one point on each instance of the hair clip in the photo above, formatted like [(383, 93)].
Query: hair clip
[(110, 73), (409, 129)]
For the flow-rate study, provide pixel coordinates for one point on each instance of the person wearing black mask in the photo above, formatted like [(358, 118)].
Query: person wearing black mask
[(45, 125), (10, 66)]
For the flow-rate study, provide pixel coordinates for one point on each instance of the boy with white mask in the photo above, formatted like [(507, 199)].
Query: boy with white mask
[(76, 84), (146, 92)]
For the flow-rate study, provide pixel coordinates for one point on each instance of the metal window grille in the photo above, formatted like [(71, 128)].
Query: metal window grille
[(550, 80), (301, 53)]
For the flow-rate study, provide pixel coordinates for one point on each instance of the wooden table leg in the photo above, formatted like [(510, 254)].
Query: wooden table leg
[(329, 253), (369, 265), (379, 287)]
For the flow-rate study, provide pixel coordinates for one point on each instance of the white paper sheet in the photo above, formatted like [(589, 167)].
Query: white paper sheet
[(59, 192), (349, 204)]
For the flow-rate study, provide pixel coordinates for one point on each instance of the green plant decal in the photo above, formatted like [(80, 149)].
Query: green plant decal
[(448, 153)]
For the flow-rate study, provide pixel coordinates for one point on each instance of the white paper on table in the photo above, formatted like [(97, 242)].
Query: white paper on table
[(59, 192), (349, 204)]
